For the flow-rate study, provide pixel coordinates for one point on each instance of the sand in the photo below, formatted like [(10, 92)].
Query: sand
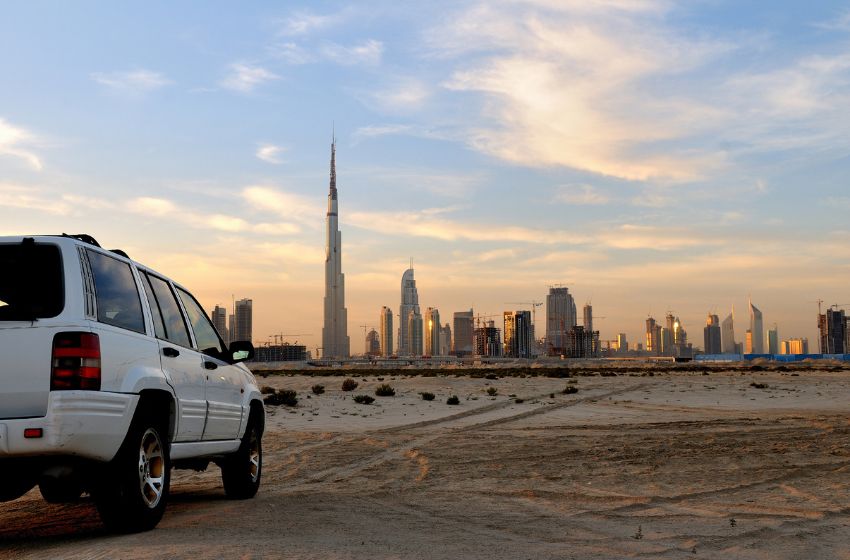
[(678, 465)]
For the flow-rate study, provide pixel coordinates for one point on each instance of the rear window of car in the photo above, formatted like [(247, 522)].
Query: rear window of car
[(117, 296), (31, 281)]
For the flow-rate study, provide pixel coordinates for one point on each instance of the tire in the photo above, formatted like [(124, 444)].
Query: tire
[(134, 491), (241, 472)]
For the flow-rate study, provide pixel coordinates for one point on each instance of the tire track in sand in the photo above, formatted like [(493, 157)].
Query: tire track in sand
[(395, 451)]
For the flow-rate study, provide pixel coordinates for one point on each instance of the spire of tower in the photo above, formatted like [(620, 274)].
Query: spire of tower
[(333, 166)]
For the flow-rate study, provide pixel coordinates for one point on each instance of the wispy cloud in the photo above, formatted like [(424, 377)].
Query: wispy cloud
[(287, 205), (840, 23), (429, 223), (17, 142), (33, 198), (368, 52), (304, 23), (245, 78), (132, 82), (581, 194), (153, 207), (402, 95), (291, 53), (269, 153)]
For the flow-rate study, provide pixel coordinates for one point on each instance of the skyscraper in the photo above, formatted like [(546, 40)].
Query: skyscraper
[(653, 336), (432, 332), (588, 318), (335, 340), (622, 343), (414, 333), (373, 344), (757, 329), (488, 343), (386, 325), (219, 321), (560, 318), (244, 315), (773, 340), (446, 340), (711, 335), (518, 337), (727, 334), (464, 329), (409, 304), (836, 324)]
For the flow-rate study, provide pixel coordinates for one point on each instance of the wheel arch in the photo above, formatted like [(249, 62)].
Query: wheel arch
[(162, 406)]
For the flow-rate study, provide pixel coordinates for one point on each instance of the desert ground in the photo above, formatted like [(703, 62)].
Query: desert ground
[(721, 463)]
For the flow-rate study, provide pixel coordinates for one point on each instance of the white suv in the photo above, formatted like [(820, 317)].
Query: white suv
[(110, 375)]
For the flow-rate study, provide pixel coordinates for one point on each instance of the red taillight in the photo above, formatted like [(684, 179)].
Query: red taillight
[(33, 433), (76, 362)]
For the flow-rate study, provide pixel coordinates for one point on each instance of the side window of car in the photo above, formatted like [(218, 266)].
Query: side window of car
[(116, 292), (172, 318), (205, 333), (156, 313)]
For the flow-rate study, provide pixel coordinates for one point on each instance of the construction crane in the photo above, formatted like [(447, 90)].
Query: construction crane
[(534, 305), (278, 338), (480, 316)]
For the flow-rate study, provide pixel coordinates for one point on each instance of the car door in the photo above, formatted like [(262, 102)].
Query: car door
[(182, 364), (225, 387)]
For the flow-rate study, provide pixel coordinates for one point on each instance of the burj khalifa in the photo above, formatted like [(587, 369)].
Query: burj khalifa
[(335, 340)]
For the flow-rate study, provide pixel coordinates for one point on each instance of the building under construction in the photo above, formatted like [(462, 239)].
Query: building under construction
[(280, 353), (488, 341)]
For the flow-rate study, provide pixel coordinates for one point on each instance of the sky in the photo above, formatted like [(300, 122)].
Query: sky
[(650, 155)]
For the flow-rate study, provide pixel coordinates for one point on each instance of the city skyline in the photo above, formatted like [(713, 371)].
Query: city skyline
[(197, 142)]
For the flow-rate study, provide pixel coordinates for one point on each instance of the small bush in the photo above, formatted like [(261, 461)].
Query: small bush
[(492, 391), (266, 390), (453, 400), (755, 385), (570, 390), (363, 399), (519, 401), (318, 389), (349, 384), (551, 395), (283, 397), (385, 391), (491, 376), (427, 396)]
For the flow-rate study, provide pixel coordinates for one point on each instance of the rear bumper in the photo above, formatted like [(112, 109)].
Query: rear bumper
[(86, 424)]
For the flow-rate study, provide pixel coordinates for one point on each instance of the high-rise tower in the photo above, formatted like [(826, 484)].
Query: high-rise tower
[(409, 341), (757, 330), (335, 340)]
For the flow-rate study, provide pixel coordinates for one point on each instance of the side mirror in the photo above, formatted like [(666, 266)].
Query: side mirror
[(240, 351)]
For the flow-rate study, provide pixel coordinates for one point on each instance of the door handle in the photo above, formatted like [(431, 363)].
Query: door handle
[(210, 365), (170, 352)]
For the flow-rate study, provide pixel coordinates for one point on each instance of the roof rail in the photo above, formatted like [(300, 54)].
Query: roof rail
[(84, 237)]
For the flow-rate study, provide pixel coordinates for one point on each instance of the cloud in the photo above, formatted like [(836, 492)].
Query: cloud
[(633, 237), (376, 130), (403, 95), (134, 82), (287, 205), (428, 223), (14, 141), (33, 198), (581, 194), (839, 23), (303, 23), (368, 52), (153, 207), (269, 153), (292, 53), (245, 78)]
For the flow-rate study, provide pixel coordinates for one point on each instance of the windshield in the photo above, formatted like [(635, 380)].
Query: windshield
[(30, 282)]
